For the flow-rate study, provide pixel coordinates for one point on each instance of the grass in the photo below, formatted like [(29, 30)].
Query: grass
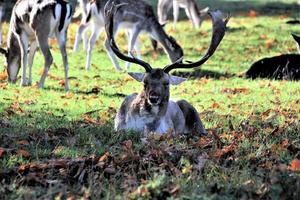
[(71, 150)]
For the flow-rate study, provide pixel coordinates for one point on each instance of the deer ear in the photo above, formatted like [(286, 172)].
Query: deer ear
[(176, 80), (137, 76)]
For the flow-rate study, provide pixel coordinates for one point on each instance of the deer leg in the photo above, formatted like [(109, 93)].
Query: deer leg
[(81, 32), (111, 53), (193, 16), (93, 39), (62, 38), (1, 15), (44, 46), (175, 13), (133, 44), (33, 48), (0, 31), (23, 41)]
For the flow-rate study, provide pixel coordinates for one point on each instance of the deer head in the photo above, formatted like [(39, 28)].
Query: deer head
[(13, 59), (157, 81)]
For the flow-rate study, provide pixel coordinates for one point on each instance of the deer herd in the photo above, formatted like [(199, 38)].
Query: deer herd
[(33, 22)]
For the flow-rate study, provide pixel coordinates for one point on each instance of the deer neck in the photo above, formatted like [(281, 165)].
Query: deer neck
[(160, 35)]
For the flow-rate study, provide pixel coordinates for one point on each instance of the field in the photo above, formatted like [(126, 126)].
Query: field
[(58, 145)]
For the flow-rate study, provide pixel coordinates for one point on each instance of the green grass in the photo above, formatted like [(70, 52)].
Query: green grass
[(253, 135)]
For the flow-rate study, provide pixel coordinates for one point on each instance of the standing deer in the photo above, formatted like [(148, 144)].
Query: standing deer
[(136, 17), (2, 10), (151, 109), (34, 22), (190, 7), (286, 66)]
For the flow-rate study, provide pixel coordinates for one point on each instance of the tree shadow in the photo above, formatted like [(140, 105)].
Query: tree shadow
[(202, 73), (93, 91)]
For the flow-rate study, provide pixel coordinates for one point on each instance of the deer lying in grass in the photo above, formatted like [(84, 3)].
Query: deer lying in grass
[(136, 17), (151, 109), (286, 66), (35, 22), (191, 9)]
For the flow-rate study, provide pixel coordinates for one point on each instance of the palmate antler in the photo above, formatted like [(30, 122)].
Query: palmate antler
[(109, 27), (219, 29)]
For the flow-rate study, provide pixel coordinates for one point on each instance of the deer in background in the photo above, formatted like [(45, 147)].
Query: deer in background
[(136, 17), (2, 11), (152, 110), (35, 22), (286, 66), (191, 9)]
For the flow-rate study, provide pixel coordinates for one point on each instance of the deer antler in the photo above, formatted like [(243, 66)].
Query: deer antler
[(219, 28), (109, 23)]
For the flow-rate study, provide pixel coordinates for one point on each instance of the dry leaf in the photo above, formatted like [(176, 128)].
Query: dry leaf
[(23, 142), (3, 76), (252, 13), (104, 157), (2, 152), (23, 153), (215, 105), (295, 165)]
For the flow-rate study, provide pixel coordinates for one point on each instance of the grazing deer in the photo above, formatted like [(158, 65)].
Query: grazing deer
[(34, 22), (151, 109), (286, 66), (191, 9), (2, 10), (136, 17)]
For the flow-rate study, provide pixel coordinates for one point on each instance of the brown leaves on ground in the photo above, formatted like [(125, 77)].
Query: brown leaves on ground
[(235, 90)]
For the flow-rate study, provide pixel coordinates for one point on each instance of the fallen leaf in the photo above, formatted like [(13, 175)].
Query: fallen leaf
[(252, 13), (269, 43), (3, 76), (295, 165), (215, 105), (23, 153), (104, 157), (23, 142), (2, 152)]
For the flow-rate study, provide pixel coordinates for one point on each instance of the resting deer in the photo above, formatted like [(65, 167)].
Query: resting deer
[(151, 110), (191, 9), (34, 22), (2, 10), (136, 17), (286, 66)]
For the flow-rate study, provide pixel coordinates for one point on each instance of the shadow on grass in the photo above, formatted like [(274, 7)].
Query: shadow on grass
[(200, 73), (93, 91)]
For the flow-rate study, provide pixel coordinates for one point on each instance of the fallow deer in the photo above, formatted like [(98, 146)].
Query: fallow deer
[(191, 9), (286, 66), (151, 110), (2, 11), (136, 17), (34, 22)]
